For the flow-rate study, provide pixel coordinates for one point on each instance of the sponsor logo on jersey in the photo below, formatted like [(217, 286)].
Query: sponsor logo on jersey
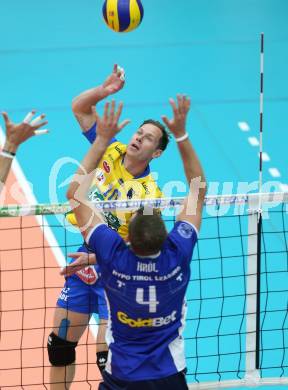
[(146, 322), (130, 193), (99, 175), (119, 150), (88, 275), (111, 157), (94, 194), (64, 294), (106, 166), (185, 230), (147, 192), (107, 190)]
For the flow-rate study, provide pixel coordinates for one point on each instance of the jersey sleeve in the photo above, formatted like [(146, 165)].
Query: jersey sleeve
[(91, 134), (104, 242), (183, 237)]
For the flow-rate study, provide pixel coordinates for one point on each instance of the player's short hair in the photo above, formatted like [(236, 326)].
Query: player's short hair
[(164, 140), (147, 232)]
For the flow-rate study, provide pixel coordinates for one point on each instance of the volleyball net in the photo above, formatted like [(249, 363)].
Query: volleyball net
[(237, 324)]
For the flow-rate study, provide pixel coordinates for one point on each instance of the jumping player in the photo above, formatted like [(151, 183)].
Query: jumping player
[(145, 283), (122, 173)]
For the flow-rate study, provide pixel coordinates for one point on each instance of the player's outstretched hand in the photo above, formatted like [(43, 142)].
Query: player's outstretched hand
[(17, 133), (115, 82), (177, 125), (108, 126), (83, 260)]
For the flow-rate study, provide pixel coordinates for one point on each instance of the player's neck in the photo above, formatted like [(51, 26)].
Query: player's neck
[(134, 167)]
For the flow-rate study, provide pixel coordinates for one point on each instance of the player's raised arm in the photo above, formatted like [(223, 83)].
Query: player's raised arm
[(16, 134), (107, 127), (82, 104), (193, 205)]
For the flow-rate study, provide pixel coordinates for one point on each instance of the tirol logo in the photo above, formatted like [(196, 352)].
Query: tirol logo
[(106, 166), (100, 176), (88, 275)]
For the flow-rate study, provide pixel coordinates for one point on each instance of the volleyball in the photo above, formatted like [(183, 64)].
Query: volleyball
[(123, 15)]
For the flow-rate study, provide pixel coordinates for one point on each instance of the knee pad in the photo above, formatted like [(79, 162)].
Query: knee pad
[(61, 352)]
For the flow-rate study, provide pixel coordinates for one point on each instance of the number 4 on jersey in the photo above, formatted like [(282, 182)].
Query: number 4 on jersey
[(152, 302)]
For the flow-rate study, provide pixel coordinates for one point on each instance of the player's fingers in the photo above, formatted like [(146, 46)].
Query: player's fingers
[(40, 125), (187, 104), (180, 101), (6, 118), (37, 120), (174, 107), (121, 73), (124, 123), (122, 77), (115, 67), (94, 112), (165, 120), (74, 255), (29, 116), (119, 70), (65, 271), (119, 111), (70, 270), (112, 111), (106, 110)]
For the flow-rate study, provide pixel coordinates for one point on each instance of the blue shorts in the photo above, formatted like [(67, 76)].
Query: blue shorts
[(84, 293), (172, 382)]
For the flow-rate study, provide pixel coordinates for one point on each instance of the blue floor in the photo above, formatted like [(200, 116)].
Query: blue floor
[(208, 49)]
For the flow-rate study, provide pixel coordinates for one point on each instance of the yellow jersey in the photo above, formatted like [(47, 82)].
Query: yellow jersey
[(113, 182)]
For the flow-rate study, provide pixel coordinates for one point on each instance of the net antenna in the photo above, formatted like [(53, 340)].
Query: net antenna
[(253, 317), (253, 338), (261, 116), (259, 225)]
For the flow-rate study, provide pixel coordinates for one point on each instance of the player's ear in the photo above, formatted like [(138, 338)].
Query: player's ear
[(157, 153)]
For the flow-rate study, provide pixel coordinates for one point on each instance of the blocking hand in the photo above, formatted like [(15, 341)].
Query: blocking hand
[(107, 126), (115, 82), (177, 125)]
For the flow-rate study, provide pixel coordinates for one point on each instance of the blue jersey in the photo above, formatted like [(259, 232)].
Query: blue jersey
[(146, 302)]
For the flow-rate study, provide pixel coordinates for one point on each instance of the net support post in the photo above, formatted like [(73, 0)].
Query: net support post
[(252, 376)]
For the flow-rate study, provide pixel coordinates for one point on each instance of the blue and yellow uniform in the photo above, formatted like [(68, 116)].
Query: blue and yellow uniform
[(147, 307), (112, 182)]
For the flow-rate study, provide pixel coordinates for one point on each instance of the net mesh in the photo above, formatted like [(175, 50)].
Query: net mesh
[(219, 316)]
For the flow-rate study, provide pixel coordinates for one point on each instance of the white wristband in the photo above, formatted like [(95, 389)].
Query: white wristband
[(28, 117), (180, 139), (7, 155), (41, 132)]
